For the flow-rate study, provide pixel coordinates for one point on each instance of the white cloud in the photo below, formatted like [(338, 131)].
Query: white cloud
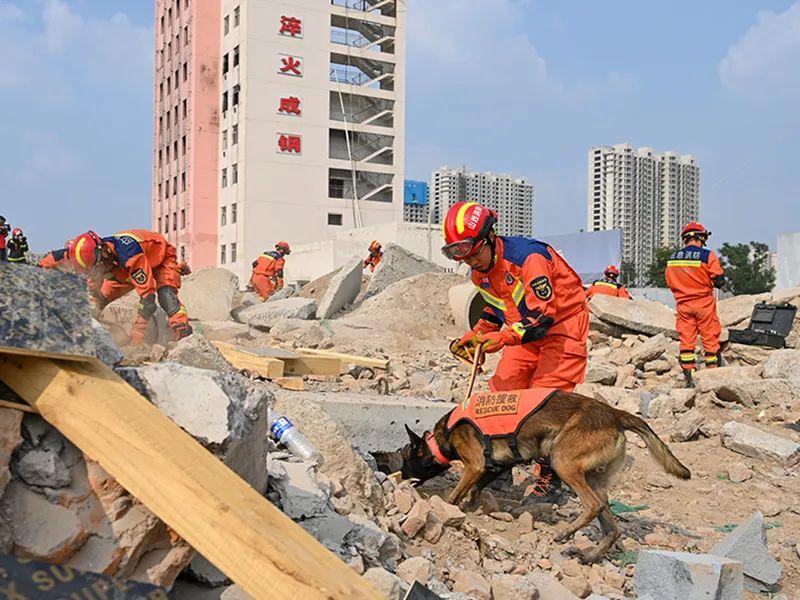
[(764, 61), (61, 25)]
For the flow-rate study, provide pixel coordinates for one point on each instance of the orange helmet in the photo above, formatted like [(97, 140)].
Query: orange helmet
[(695, 229), (612, 272), (16, 232), (84, 251), (283, 248), (374, 246), (466, 228)]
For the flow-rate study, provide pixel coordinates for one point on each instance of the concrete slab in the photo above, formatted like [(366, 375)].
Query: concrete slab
[(686, 576), (642, 316), (755, 443), (748, 544), (342, 290), (397, 263)]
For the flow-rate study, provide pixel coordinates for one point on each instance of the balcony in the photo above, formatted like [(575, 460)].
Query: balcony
[(370, 187), (362, 147)]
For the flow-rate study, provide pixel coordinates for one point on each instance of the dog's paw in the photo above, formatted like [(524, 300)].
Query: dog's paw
[(563, 535)]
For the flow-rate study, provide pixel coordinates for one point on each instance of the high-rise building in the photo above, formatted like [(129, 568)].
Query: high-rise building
[(186, 127), (308, 122), (312, 105), (511, 197), (415, 201), (649, 196)]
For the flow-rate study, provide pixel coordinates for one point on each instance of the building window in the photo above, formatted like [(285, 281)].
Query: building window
[(186, 36), (225, 65), (175, 151), (168, 84), (183, 218), (224, 139), (223, 216), (161, 91), (168, 121), (185, 71), (175, 185), (224, 102), (159, 223), (183, 146), (175, 221), (166, 189), (159, 196), (235, 57), (166, 223), (185, 108), (224, 177), (233, 252), (235, 95), (334, 219), (183, 181), (234, 174), (183, 252), (236, 17), (222, 254), (234, 135), (163, 28), (227, 24), (336, 188), (233, 212)]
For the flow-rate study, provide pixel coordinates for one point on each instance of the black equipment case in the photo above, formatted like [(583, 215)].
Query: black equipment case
[(769, 326)]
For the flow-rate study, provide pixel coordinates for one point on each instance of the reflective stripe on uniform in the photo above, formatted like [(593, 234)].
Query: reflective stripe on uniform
[(493, 300), (687, 357), (130, 235), (684, 263), (462, 211), (611, 285), (711, 359), (519, 293), (519, 329)]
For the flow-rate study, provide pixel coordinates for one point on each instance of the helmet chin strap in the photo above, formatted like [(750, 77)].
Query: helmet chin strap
[(491, 243)]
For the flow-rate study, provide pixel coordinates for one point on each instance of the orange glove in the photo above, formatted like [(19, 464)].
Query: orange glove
[(48, 262), (497, 340), (139, 330), (471, 337)]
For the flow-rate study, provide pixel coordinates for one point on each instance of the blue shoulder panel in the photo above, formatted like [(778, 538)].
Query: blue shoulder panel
[(125, 246), (517, 249)]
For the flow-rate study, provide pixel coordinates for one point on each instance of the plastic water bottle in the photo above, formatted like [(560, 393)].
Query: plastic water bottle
[(283, 430)]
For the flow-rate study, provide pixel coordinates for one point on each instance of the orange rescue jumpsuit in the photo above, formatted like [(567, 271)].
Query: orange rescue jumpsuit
[(528, 285), (146, 262), (267, 277), (373, 260), (608, 287), (690, 275)]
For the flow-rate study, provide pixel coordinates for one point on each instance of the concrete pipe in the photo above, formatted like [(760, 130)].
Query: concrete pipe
[(466, 304)]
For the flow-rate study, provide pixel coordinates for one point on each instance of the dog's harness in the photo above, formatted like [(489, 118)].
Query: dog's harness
[(433, 446), (496, 415)]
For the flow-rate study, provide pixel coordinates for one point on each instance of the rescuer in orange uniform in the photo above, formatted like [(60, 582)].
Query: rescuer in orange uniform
[(134, 259), (537, 312), (692, 274), (375, 256), (267, 277), (609, 286)]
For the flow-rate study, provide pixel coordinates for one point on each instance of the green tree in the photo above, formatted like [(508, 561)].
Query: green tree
[(627, 273), (746, 269), (654, 276)]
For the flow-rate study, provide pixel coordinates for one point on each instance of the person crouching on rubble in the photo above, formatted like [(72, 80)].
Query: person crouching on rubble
[(536, 307)]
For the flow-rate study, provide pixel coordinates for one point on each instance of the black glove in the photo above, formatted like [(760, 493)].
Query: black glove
[(718, 281), (537, 332)]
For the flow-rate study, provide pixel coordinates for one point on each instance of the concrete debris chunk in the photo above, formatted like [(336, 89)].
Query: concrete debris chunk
[(196, 351), (414, 569), (641, 316), (44, 469), (388, 584), (783, 364), (602, 373), (770, 392), (733, 311), (301, 494), (342, 290), (709, 380), (223, 331), (223, 411), (267, 314), (748, 544), (683, 576), (397, 263), (736, 394), (472, 584), (650, 350), (416, 518), (45, 310), (514, 587), (208, 294), (755, 443), (106, 348), (10, 438), (549, 588), (688, 426), (376, 547), (449, 514)]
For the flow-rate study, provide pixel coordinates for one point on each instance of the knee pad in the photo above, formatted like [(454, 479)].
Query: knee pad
[(147, 307), (168, 299)]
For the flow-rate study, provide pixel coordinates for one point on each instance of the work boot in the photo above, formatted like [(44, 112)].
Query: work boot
[(688, 376), (719, 359)]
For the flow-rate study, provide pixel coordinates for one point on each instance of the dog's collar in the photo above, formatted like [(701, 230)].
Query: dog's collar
[(433, 446)]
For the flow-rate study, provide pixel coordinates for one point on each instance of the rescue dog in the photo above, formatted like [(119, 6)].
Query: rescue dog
[(583, 438)]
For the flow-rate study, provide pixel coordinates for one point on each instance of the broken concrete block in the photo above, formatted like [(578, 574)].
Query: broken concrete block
[(397, 263), (10, 438), (414, 569), (472, 584), (376, 547), (106, 348), (688, 426), (685, 576), (223, 411), (301, 494), (621, 398), (388, 584), (267, 314), (650, 350), (416, 518), (44, 310), (41, 530), (343, 289), (449, 514), (208, 294), (203, 571), (602, 373), (783, 364), (549, 588), (735, 393), (196, 351), (755, 443), (770, 392), (44, 469), (223, 331), (737, 309), (748, 544), (642, 316), (709, 380), (514, 587)]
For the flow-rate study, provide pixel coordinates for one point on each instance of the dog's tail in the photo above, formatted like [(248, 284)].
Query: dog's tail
[(658, 449)]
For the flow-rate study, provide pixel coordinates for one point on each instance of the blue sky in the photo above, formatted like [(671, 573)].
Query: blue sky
[(518, 86)]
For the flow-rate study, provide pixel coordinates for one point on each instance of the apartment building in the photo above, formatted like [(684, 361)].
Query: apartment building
[(415, 201)]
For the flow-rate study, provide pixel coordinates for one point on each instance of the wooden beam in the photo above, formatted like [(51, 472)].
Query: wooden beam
[(270, 368), (206, 503), (312, 365), (17, 406), (291, 383), (353, 359)]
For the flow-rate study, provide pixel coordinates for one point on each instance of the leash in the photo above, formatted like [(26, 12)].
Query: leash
[(476, 365)]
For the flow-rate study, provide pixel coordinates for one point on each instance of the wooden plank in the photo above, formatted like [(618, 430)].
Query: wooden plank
[(17, 406), (353, 359), (312, 365), (263, 366), (45, 354), (291, 383), (278, 353), (194, 493)]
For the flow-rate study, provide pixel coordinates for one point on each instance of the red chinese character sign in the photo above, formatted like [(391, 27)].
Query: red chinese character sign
[(291, 26), (290, 65), (290, 106), (289, 144)]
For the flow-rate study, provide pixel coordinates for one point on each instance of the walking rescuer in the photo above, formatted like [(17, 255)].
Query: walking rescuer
[(537, 312)]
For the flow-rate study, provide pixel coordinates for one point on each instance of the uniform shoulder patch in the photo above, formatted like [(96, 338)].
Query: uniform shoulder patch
[(542, 288), (139, 276)]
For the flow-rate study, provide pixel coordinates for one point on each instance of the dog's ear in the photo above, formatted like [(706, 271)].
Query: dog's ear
[(415, 439)]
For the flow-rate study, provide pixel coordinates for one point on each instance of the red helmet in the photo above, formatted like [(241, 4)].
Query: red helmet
[(466, 227), (16, 232), (84, 251), (611, 271), (374, 246), (283, 248), (694, 229)]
